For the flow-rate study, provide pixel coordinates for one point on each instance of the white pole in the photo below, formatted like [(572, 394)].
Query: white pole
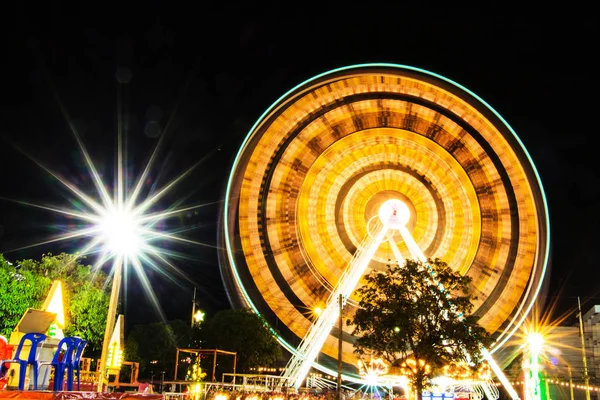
[(570, 382), (586, 378), (110, 320), (193, 307)]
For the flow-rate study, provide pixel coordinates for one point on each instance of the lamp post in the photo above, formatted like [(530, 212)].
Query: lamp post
[(193, 307), (121, 224), (197, 315), (121, 235)]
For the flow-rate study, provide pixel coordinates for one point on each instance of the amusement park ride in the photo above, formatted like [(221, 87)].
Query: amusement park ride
[(365, 166)]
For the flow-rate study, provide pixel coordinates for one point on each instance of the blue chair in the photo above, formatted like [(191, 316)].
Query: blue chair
[(60, 364), (36, 339), (76, 364)]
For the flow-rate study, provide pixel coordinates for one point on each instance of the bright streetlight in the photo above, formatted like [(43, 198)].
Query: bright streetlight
[(119, 232), (120, 218)]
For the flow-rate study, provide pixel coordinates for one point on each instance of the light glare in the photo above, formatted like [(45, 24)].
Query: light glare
[(536, 341), (121, 234), (116, 219)]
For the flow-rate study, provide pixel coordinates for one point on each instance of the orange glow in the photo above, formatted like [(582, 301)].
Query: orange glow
[(316, 169)]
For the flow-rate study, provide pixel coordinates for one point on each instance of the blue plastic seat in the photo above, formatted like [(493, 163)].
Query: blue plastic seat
[(36, 339), (75, 365), (60, 361)]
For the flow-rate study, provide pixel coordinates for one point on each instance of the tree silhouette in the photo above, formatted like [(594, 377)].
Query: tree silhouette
[(417, 317)]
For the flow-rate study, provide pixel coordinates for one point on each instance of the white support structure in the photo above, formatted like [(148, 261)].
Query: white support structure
[(498, 372), (478, 392), (393, 215), (413, 247), (299, 365), (490, 390), (395, 250)]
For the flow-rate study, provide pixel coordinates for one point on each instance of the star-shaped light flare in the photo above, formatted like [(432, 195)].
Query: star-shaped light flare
[(120, 226)]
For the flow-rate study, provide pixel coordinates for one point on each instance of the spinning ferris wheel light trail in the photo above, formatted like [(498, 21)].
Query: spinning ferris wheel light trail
[(309, 180)]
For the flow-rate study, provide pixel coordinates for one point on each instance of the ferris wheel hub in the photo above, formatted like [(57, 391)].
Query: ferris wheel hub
[(394, 214)]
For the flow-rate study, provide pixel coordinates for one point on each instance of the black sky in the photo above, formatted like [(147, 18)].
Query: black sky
[(214, 67)]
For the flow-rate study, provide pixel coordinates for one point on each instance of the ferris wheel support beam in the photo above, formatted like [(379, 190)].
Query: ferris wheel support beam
[(413, 247), (395, 250), (300, 363), (507, 385), (490, 390)]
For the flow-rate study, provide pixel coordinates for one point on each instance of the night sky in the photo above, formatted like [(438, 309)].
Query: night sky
[(202, 74)]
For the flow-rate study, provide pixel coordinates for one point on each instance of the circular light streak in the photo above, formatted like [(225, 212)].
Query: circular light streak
[(324, 160)]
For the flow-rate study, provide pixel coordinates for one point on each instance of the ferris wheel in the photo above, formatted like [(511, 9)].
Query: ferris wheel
[(366, 166)]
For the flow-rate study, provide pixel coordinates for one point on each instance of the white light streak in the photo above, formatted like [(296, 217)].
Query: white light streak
[(299, 365)]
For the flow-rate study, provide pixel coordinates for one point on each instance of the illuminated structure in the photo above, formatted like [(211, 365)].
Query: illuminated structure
[(561, 366), (318, 167), (54, 304), (114, 358), (532, 370)]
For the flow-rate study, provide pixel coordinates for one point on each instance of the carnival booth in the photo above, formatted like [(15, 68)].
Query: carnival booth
[(39, 362), (35, 340), (37, 353)]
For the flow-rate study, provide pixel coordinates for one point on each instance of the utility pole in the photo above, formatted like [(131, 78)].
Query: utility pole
[(193, 307), (338, 394), (586, 378)]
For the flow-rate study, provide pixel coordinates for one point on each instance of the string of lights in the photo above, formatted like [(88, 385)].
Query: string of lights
[(559, 383)]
